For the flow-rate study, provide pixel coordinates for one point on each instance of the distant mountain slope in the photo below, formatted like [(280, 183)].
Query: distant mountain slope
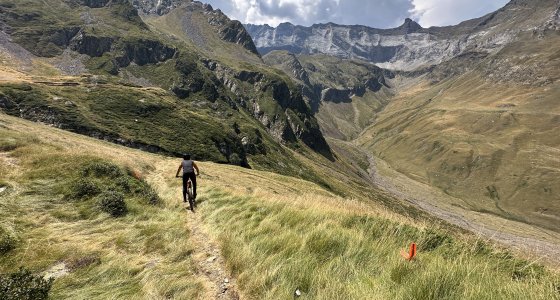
[(168, 76), (479, 122), (487, 135), (345, 94), (409, 46)]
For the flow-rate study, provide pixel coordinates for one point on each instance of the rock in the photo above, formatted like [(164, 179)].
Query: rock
[(297, 293), (56, 271), (156, 7), (2, 189), (226, 280), (234, 32), (211, 259), (69, 103), (95, 3), (151, 264), (93, 46), (143, 51)]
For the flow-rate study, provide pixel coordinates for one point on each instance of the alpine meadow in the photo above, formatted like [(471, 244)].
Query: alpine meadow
[(336, 161)]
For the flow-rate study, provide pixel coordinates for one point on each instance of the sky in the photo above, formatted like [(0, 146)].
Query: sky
[(373, 13)]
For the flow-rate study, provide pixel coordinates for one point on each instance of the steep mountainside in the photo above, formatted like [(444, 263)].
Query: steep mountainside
[(408, 46), (143, 74), (480, 124), (346, 95), (488, 135)]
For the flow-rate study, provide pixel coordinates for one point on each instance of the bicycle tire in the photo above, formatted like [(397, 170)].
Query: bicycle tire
[(191, 197)]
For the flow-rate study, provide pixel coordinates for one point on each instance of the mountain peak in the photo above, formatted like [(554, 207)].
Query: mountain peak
[(409, 26)]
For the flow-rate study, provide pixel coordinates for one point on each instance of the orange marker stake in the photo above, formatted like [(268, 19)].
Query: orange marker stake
[(412, 253)]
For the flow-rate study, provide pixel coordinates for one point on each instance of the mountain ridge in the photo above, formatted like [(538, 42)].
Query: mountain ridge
[(408, 46)]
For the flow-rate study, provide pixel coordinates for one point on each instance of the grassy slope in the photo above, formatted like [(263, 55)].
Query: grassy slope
[(209, 123), (127, 257), (488, 137), (277, 234)]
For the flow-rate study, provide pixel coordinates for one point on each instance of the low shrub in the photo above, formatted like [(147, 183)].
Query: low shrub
[(7, 241), (112, 202), (82, 262), (432, 239), (124, 184), (151, 196), (23, 285), (84, 188), (102, 169)]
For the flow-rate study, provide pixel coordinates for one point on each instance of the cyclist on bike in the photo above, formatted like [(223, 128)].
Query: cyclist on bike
[(188, 166)]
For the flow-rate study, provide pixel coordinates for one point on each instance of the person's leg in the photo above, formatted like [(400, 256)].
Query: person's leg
[(185, 180), (193, 179)]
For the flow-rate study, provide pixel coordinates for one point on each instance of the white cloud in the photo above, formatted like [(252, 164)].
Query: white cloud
[(450, 12), (374, 13)]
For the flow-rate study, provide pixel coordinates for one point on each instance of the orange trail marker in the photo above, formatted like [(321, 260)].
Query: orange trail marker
[(412, 253)]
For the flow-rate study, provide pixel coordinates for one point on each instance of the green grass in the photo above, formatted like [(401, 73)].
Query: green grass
[(352, 255), (154, 120), (144, 253), (276, 233)]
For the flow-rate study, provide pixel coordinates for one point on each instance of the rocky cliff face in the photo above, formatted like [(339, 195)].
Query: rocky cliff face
[(409, 46)]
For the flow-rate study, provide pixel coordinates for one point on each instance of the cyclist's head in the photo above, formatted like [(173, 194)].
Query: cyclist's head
[(186, 156)]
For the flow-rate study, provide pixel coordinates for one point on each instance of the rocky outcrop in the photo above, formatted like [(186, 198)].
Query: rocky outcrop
[(283, 112), (158, 7), (94, 3), (335, 95), (234, 32), (93, 46), (229, 30), (143, 52)]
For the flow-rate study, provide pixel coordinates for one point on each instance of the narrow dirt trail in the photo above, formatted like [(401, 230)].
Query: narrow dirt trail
[(210, 264)]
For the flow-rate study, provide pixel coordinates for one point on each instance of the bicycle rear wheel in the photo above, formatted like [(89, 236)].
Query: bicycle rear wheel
[(191, 197)]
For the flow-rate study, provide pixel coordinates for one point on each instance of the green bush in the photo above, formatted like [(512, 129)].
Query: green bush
[(102, 169), (23, 285), (7, 241), (112, 202), (124, 184), (84, 188), (151, 195)]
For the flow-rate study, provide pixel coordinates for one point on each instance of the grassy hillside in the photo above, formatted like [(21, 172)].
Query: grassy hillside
[(292, 233), (99, 69), (488, 136)]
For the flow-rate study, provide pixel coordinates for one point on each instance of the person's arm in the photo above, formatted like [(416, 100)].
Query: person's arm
[(179, 170), (196, 168)]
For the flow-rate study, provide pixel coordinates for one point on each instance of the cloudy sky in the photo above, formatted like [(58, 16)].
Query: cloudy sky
[(375, 13)]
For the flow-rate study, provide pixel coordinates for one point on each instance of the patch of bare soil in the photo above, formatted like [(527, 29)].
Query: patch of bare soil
[(211, 264)]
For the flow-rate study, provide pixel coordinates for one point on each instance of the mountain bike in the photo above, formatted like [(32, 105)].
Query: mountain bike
[(190, 195)]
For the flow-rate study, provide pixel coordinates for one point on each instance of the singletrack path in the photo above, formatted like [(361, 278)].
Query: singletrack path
[(210, 263), (210, 266)]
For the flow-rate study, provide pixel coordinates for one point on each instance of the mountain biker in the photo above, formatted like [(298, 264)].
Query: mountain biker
[(188, 166)]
